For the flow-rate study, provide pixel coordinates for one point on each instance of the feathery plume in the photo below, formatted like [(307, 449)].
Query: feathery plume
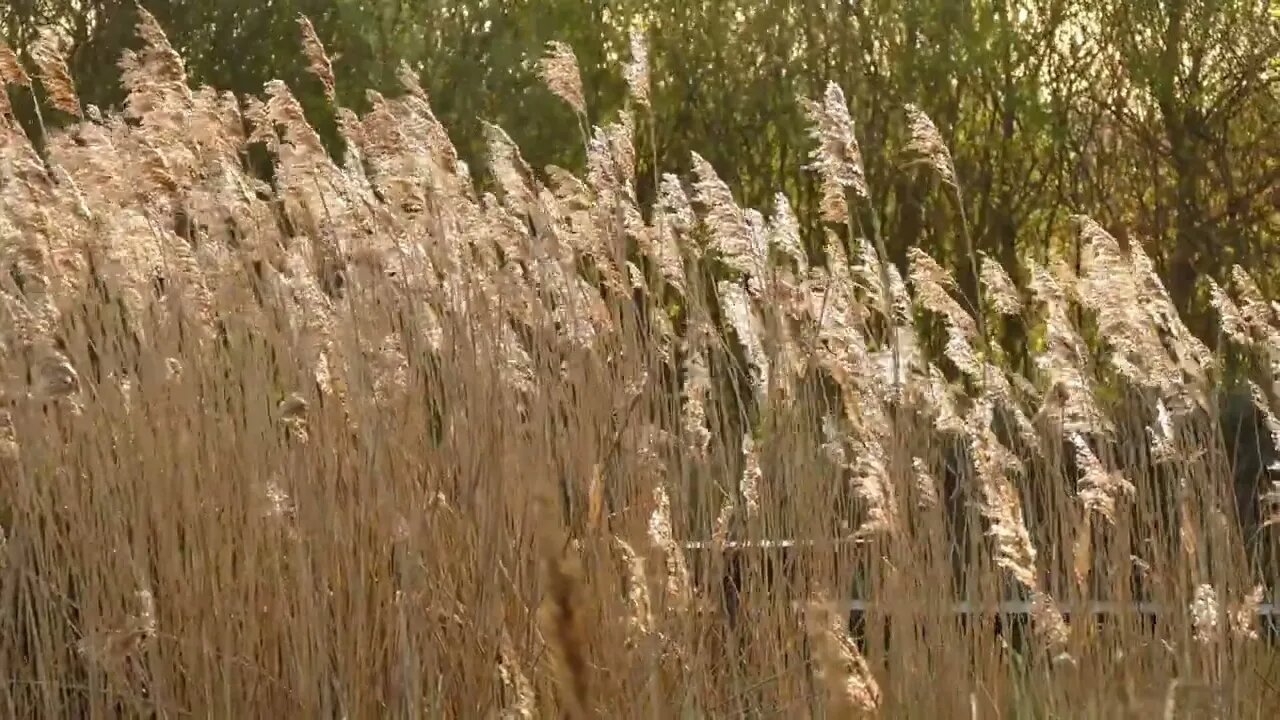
[(318, 63), (55, 76), (1108, 287), (749, 487), (931, 282), (872, 484), (784, 234), (1204, 614), (1244, 617), (113, 648), (662, 536), (1254, 306), (273, 501), (927, 146), (558, 69), (513, 174), (1070, 400), (1161, 434), (1269, 505), (55, 377), (746, 325), (283, 109), (851, 689), (640, 620), (833, 441), (1001, 290), (9, 449), (1099, 488), (673, 217), (925, 484), (1000, 503), (161, 60), (522, 704), (674, 203), (636, 72), (1049, 626), (1263, 406), (837, 159), (1230, 317), (293, 414), (11, 73), (732, 237), (11, 70), (873, 276)]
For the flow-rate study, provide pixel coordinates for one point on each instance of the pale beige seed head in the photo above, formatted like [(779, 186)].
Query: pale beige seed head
[(837, 159), (1205, 620), (640, 612), (872, 484), (9, 448), (851, 688), (1100, 489), (662, 536), (173, 368), (1050, 627), (696, 393), (318, 62), (732, 237), (1000, 288), (932, 283), (11, 70), (926, 485), (723, 524), (522, 702), (927, 145), (408, 78), (272, 501), (162, 60), (637, 69), (747, 326), (1230, 318), (752, 476), (514, 175), (784, 234), (293, 407), (1270, 504), (55, 76), (145, 619), (1253, 305), (55, 377), (559, 70), (999, 502), (1244, 616), (6, 107)]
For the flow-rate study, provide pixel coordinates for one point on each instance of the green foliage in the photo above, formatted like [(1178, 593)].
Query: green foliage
[(1156, 119)]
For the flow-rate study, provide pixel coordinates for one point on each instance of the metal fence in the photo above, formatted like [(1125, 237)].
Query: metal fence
[(1269, 612)]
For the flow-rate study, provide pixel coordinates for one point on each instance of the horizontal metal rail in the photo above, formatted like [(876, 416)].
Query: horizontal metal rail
[(1024, 607), (1004, 607), (763, 544)]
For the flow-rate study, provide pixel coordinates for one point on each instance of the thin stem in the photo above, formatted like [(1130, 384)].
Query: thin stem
[(851, 201), (979, 312)]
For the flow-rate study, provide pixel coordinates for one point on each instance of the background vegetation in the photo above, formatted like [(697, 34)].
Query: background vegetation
[(487, 392), (1159, 119)]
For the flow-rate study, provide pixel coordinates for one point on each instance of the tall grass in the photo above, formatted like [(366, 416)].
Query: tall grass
[(365, 441)]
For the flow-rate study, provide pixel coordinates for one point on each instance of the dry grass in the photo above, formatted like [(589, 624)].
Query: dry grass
[(365, 443)]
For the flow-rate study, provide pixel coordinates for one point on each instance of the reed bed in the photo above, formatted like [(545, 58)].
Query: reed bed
[(379, 437)]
